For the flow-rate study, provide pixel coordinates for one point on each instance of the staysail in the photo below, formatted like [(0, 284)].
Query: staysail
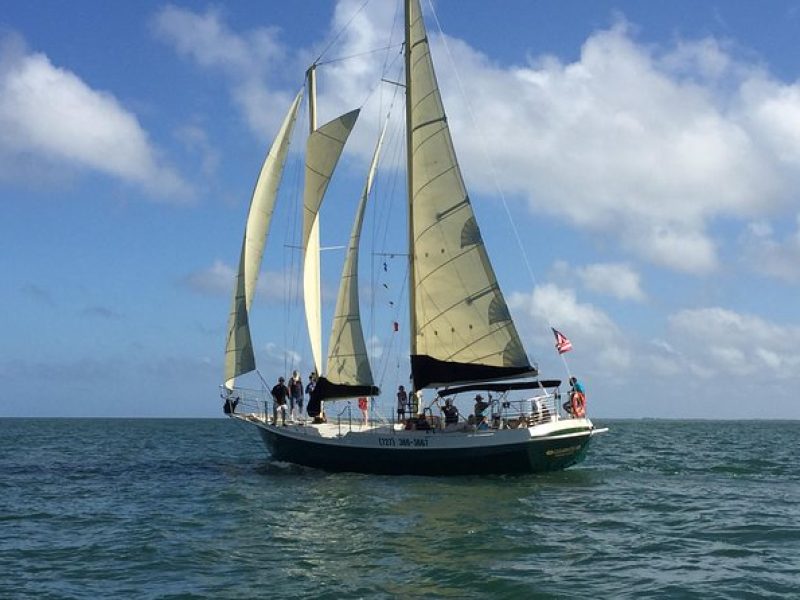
[(239, 357), (348, 371), (461, 326), (323, 149)]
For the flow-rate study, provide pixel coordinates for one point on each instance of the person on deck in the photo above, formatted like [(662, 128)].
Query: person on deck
[(480, 418), (295, 396), (279, 395), (422, 423), (363, 406), (576, 405), (450, 415), (402, 403), (480, 406), (231, 402)]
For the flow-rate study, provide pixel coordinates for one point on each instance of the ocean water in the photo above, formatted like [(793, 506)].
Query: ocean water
[(96, 508)]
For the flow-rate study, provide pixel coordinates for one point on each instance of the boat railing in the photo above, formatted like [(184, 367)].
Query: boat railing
[(526, 412), (349, 410), (246, 402), (504, 413)]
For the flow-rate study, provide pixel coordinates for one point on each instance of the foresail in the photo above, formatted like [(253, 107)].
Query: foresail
[(348, 363), (462, 328), (239, 357), (323, 150)]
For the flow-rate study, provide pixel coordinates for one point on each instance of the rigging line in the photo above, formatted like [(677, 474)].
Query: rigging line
[(378, 85), (357, 55), (489, 161), (291, 267), (342, 30), (387, 62)]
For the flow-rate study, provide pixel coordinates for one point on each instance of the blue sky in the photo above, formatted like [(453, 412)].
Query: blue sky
[(649, 155)]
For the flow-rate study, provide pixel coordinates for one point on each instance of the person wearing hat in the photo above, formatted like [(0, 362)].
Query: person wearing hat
[(480, 406), (279, 395)]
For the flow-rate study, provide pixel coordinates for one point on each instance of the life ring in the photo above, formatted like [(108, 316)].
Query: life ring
[(578, 405)]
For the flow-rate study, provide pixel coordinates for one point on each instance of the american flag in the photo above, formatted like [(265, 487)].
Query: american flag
[(562, 343)]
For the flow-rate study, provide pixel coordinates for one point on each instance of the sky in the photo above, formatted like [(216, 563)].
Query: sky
[(647, 154)]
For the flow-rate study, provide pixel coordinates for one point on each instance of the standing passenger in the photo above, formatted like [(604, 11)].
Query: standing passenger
[(363, 406), (402, 402), (295, 396), (279, 395)]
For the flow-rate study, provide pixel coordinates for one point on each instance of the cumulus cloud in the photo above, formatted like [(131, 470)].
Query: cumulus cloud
[(586, 325), (644, 146), (247, 60), (628, 141), (770, 255), (722, 341), (273, 286), (613, 279), (49, 115)]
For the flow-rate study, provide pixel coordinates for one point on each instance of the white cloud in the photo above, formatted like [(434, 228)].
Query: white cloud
[(766, 255), (272, 287), (642, 145), (630, 143), (195, 140), (586, 326), (247, 60), (614, 279), (726, 342), (52, 115)]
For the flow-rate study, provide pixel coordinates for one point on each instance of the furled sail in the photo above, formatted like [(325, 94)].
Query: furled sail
[(239, 357), (323, 149), (461, 326), (348, 373)]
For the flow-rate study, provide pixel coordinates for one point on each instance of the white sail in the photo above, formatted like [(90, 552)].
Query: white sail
[(239, 357), (323, 150), (348, 363), (461, 326)]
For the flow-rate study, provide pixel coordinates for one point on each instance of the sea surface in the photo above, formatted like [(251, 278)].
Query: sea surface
[(141, 508)]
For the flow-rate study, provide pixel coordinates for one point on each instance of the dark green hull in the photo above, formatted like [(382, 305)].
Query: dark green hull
[(531, 456)]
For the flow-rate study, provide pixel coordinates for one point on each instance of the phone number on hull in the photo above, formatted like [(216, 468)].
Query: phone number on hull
[(403, 442)]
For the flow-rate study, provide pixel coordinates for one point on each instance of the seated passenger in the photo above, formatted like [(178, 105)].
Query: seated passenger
[(450, 415), (480, 406), (422, 423)]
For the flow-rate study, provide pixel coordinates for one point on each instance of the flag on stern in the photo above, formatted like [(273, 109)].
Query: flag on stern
[(562, 343)]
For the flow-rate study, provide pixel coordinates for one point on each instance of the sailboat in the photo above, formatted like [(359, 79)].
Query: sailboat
[(462, 337)]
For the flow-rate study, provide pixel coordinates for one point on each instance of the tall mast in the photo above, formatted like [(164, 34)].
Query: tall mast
[(412, 325), (312, 285), (311, 74)]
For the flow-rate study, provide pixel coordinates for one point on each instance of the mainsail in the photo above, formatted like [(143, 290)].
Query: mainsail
[(348, 372), (461, 326), (239, 358), (323, 149)]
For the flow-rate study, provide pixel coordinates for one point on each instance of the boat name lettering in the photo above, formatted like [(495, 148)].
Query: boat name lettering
[(563, 451)]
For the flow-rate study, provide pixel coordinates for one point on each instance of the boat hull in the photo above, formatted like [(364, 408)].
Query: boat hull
[(430, 453)]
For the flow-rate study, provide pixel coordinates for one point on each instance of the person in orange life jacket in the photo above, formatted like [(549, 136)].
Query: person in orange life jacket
[(575, 406)]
